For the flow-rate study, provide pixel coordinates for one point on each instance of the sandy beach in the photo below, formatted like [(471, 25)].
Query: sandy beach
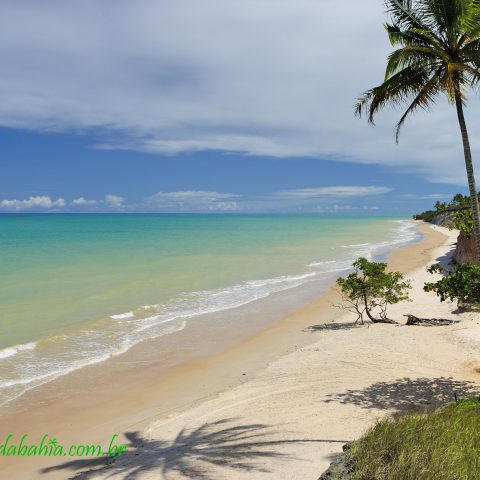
[(275, 405), (222, 257)]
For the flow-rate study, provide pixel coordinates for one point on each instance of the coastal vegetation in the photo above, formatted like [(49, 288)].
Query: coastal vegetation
[(442, 444), (458, 203), (369, 289), (439, 52), (457, 214), (461, 284)]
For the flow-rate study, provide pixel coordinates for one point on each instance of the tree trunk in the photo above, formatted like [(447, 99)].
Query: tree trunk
[(367, 311), (371, 317), (470, 175)]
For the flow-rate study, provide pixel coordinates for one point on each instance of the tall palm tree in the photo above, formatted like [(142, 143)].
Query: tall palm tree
[(439, 52)]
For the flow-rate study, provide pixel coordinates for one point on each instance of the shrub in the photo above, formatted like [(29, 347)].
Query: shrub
[(463, 220), (461, 284), (370, 289)]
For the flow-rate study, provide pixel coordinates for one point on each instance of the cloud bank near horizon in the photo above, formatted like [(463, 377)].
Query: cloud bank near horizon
[(324, 199), (270, 78)]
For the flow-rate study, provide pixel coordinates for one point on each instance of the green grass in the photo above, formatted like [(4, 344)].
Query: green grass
[(441, 445)]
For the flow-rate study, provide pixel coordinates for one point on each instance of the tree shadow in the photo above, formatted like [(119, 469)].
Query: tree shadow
[(407, 394), (191, 454), (333, 326), (446, 260)]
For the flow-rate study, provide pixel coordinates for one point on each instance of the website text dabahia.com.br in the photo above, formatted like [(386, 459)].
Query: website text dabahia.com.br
[(49, 447)]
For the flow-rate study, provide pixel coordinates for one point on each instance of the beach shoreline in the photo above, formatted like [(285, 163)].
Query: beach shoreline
[(256, 271), (152, 398)]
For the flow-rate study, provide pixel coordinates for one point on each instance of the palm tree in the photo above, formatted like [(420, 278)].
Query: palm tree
[(439, 52)]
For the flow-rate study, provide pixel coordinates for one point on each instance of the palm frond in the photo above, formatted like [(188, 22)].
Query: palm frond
[(470, 22), (425, 97), (439, 51), (395, 90), (473, 73), (407, 17), (445, 14), (413, 55), (470, 50), (412, 36)]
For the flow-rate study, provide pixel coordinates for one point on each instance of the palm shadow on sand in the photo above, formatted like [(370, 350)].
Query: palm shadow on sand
[(191, 455), (407, 394)]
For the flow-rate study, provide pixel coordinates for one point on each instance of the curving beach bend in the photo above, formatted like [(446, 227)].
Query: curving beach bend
[(277, 404)]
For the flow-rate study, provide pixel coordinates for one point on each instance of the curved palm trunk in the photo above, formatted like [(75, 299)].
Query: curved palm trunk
[(469, 167)]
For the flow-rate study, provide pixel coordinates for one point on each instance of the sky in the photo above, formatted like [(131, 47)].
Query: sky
[(208, 106)]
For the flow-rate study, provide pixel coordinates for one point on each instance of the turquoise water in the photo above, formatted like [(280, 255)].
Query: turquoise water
[(76, 289)]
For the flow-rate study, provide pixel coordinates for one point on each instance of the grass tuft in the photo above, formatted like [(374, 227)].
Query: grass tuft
[(440, 445)]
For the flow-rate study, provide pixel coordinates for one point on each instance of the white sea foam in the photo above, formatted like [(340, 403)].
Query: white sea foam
[(213, 301), (405, 233), (321, 263), (11, 351), (44, 371), (357, 245), (120, 316)]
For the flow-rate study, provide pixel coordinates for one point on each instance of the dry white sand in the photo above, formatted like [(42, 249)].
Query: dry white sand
[(288, 420)]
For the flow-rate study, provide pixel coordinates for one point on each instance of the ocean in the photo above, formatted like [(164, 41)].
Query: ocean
[(78, 289)]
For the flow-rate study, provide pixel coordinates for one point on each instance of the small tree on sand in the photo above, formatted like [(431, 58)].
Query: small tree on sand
[(369, 289)]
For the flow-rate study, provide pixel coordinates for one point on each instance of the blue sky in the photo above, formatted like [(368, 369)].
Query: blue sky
[(181, 105)]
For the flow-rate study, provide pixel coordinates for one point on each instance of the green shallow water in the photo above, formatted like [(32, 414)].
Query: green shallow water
[(64, 276)]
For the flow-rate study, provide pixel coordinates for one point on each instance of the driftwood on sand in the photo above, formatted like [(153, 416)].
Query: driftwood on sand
[(427, 322), (383, 320)]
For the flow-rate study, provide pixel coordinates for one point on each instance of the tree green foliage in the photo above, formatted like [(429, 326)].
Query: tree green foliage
[(369, 289), (461, 284), (436, 52), (463, 220), (426, 216), (462, 215), (458, 201)]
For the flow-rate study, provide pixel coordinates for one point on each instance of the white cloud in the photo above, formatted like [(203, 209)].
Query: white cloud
[(288, 200), (82, 202), (114, 200), (324, 199), (195, 195), (38, 202), (334, 191), (44, 202), (193, 200), (264, 78), (429, 196)]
